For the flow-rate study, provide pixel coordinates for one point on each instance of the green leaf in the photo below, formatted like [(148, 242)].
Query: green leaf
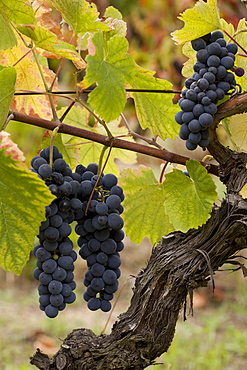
[(80, 15), (112, 12), (7, 90), (88, 152), (188, 201), (47, 40), (144, 213), (23, 197), (7, 36), (17, 11), (155, 111), (198, 21), (109, 67)]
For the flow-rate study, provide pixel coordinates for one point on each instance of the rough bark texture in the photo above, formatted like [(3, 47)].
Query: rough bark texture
[(179, 264)]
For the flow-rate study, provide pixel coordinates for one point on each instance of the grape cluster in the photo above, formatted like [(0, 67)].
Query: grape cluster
[(94, 202), (208, 85), (99, 226), (54, 253)]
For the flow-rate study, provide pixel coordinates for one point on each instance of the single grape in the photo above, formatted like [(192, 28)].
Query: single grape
[(109, 277), (190, 146), (59, 274), (194, 137), (216, 35), (56, 299), (194, 126), (97, 284), (55, 287), (226, 62), (198, 109), (105, 306), (198, 44), (109, 180), (59, 165), (115, 221), (51, 234), (51, 311), (70, 299), (65, 262), (214, 48), (114, 261), (108, 246), (187, 105), (232, 48), (205, 119), (239, 71), (97, 269), (178, 118), (213, 61), (94, 304), (49, 266)]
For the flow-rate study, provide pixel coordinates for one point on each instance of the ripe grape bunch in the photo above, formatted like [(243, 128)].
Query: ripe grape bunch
[(99, 226), (54, 253), (208, 85)]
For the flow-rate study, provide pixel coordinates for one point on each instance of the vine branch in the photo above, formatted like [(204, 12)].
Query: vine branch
[(114, 142)]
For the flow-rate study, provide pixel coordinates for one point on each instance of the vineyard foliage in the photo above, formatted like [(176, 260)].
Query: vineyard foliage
[(97, 48)]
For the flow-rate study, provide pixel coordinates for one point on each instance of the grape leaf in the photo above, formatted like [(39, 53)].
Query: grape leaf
[(144, 213), (47, 40), (189, 200), (80, 15), (109, 67), (198, 21), (17, 11), (241, 61), (243, 192), (112, 12), (28, 78), (190, 53), (7, 90), (155, 111), (23, 197), (7, 36), (10, 147), (237, 128), (88, 152)]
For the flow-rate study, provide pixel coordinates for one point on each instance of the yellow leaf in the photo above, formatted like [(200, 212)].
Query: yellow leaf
[(28, 78), (243, 191), (198, 21), (237, 125)]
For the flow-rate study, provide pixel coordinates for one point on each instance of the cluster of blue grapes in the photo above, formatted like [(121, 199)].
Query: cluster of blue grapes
[(99, 226), (54, 253), (208, 85), (94, 202)]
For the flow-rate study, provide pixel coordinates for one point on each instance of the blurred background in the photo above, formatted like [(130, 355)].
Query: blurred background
[(215, 336)]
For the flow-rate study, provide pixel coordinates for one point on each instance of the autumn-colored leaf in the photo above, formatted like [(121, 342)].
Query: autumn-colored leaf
[(28, 78), (11, 147)]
